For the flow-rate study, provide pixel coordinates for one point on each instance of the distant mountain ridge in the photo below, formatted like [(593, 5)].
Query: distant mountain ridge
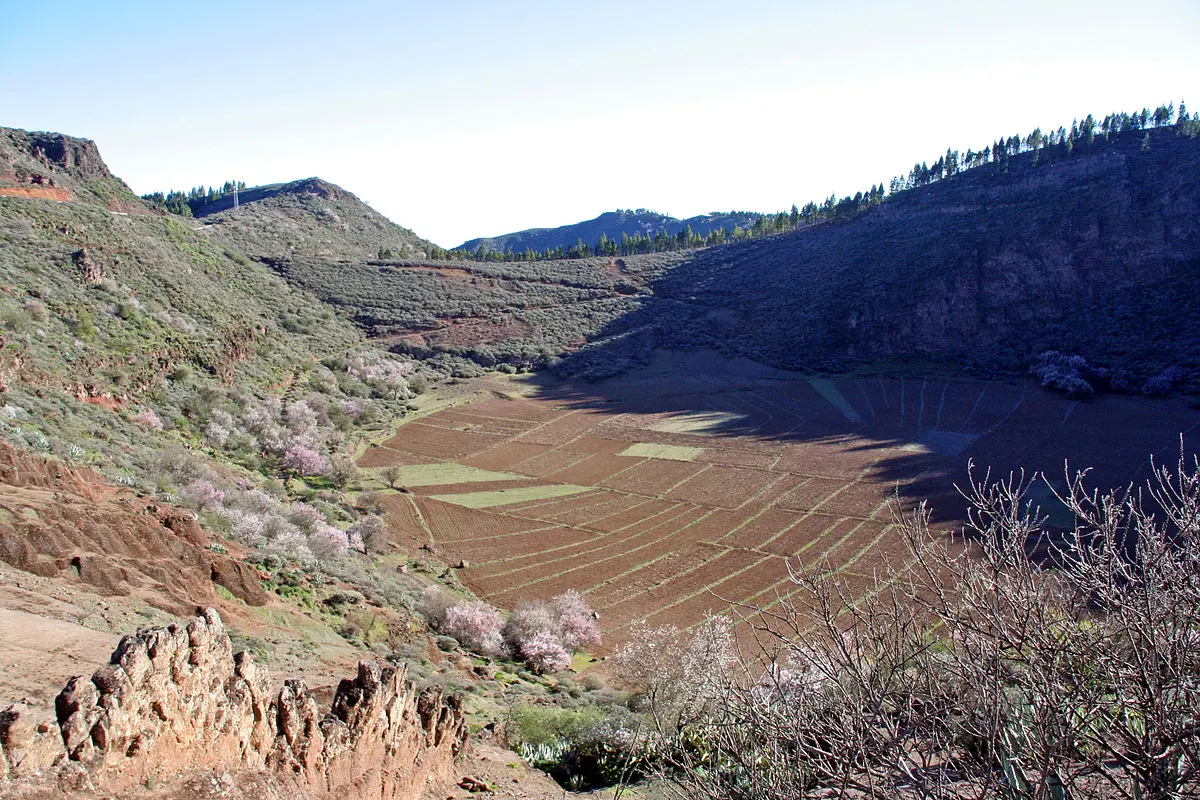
[(611, 224)]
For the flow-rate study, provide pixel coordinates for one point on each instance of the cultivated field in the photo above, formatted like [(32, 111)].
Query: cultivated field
[(692, 482)]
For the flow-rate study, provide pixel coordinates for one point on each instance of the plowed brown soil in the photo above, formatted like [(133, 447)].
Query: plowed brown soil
[(784, 468)]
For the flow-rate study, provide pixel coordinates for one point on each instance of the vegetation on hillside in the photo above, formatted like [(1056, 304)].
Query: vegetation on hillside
[(467, 315), (186, 204), (721, 228), (158, 352), (1080, 245), (620, 232)]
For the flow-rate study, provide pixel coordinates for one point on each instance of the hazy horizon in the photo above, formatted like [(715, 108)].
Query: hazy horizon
[(471, 120)]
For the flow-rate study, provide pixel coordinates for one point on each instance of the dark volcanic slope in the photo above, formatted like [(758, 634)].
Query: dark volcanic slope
[(1096, 254), (611, 224)]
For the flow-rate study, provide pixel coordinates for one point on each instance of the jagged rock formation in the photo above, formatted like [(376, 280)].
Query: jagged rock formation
[(177, 701)]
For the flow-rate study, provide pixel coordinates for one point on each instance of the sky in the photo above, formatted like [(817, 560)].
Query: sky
[(466, 119)]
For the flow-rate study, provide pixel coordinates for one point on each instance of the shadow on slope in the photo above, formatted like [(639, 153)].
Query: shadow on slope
[(1096, 254), (896, 430)]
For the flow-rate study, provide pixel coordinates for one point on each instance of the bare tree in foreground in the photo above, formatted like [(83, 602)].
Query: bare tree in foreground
[(1027, 663)]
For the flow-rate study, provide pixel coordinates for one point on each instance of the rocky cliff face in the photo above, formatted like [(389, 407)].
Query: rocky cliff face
[(176, 703), (51, 166)]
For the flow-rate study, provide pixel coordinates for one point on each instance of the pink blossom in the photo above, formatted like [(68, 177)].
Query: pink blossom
[(305, 517), (544, 652), (221, 428), (148, 420), (327, 541), (202, 495), (301, 457), (476, 626), (574, 620)]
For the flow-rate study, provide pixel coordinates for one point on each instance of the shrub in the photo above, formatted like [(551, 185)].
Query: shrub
[(544, 652), (1065, 373), (476, 625), (575, 621), (202, 496), (148, 420), (303, 458), (544, 634), (588, 748), (16, 320), (343, 471), (84, 327), (1162, 383), (128, 309), (36, 310), (434, 603), (1033, 662), (372, 531)]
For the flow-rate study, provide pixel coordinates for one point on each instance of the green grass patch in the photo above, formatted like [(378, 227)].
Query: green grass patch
[(581, 661), (434, 474), (669, 452), (502, 497)]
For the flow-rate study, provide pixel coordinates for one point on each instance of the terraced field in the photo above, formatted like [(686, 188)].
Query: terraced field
[(665, 496)]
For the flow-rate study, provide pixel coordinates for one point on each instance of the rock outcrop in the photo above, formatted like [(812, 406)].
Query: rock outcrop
[(51, 166), (66, 522), (176, 702)]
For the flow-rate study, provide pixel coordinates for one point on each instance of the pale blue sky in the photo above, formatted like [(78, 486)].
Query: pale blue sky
[(463, 119)]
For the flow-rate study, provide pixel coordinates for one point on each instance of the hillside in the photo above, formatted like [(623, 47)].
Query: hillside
[(309, 217), (125, 335), (1094, 254), (225, 378), (519, 315), (179, 428), (611, 224)]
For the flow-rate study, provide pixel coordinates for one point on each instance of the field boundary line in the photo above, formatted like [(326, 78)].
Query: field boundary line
[(698, 592), (870, 406), (779, 476), (593, 534), (937, 423), (473, 539), (412, 501), (677, 484), (967, 422), (592, 564), (921, 408), (774, 587), (646, 564)]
